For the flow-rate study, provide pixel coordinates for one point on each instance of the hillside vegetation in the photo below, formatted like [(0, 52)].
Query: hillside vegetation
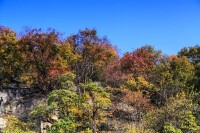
[(91, 88)]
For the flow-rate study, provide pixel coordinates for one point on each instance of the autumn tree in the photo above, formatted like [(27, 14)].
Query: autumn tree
[(193, 54), (98, 102), (140, 62), (11, 57), (94, 53), (46, 56), (171, 76)]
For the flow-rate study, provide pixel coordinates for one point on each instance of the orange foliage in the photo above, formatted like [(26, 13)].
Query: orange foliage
[(138, 62), (137, 100)]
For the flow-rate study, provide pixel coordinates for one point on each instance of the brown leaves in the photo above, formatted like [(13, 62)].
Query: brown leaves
[(137, 100)]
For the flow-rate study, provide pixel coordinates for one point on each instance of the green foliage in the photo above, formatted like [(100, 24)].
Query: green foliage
[(171, 129), (173, 75), (177, 115), (65, 81), (63, 126), (60, 110), (73, 111), (64, 101), (98, 101), (196, 101), (98, 96), (14, 125), (42, 112), (193, 54), (60, 102)]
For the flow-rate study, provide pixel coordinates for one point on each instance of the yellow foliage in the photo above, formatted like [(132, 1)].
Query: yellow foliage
[(76, 111), (14, 125), (87, 96)]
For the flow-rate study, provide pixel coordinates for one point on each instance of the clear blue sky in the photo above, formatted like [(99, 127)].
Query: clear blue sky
[(168, 25)]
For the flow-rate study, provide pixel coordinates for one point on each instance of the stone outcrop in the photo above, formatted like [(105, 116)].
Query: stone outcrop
[(2, 123), (18, 102)]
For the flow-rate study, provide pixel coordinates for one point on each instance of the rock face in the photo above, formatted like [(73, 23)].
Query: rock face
[(45, 126), (2, 123), (18, 102)]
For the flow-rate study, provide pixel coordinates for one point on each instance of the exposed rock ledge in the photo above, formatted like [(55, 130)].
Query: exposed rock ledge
[(18, 102)]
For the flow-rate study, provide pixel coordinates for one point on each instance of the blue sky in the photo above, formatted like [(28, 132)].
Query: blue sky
[(168, 25)]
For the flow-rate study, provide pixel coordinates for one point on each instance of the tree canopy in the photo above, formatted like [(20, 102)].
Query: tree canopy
[(88, 87)]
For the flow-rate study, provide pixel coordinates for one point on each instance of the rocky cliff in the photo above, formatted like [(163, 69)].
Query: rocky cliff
[(18, 101)]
